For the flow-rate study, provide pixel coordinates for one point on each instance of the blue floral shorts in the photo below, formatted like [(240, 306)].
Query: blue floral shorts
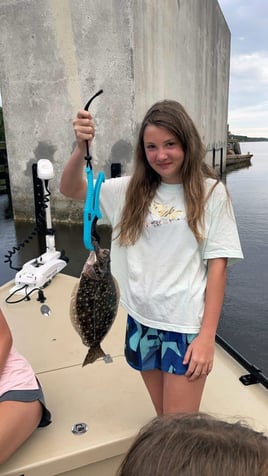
[(148, 349)]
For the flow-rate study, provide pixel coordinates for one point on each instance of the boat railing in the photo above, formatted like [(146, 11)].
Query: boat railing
[(255, 374)]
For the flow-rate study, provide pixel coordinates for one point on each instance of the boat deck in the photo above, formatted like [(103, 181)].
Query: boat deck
[(109, 397)]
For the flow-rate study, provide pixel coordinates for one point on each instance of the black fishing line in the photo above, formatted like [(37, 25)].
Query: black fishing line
[(88, 156)]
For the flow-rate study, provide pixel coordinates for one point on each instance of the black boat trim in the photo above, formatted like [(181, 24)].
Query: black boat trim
[(255, 374)]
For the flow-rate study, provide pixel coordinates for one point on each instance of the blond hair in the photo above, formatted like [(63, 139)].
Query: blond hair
[(145, 181)]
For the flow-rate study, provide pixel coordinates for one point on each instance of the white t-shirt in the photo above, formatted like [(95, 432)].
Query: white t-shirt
[(162, 277)]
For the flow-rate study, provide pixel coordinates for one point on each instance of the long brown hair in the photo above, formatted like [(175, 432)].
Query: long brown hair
[(196, 445), (144, 181)]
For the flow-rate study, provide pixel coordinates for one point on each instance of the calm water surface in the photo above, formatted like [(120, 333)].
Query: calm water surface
[(244, 320)]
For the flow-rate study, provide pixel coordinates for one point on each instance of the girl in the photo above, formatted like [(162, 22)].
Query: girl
[(22, 406), (173, 234)]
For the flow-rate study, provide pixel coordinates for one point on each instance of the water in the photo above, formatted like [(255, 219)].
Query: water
[(244, 322)]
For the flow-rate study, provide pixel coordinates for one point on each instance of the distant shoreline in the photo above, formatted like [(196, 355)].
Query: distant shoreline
[(238, 138)]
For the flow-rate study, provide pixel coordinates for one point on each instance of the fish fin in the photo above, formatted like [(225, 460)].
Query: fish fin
[(93, 354)]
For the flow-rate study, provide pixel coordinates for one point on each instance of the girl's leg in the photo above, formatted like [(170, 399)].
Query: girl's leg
[(17, 421), (180, 395), (172, 393), (153, 380)]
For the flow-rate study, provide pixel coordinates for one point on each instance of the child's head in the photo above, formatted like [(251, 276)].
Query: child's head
[(145, 180), (196, 445), (171, 115)]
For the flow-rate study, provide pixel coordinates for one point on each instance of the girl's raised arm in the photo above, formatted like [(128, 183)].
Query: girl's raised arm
[(73, 183)]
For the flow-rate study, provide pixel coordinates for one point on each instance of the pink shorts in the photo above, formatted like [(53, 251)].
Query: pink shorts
[(19, 383)]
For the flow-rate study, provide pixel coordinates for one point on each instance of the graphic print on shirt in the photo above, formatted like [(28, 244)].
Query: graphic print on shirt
[(161, 214)]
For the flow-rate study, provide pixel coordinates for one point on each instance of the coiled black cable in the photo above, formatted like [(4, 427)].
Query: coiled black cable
[(40, 222), (26, 296)]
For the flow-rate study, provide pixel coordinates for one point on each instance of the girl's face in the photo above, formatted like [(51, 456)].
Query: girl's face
[(164, 153)]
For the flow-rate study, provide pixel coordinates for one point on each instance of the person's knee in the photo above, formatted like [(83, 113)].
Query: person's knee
[(6, 451), (18, 428), (4, 457)]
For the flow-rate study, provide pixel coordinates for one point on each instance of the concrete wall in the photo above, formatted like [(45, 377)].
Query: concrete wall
[(55, 54)]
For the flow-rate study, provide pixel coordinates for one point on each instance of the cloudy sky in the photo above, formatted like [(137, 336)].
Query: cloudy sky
[(248, 91)]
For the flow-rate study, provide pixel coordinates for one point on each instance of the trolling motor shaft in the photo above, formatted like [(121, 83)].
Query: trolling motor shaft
[(39, 271)]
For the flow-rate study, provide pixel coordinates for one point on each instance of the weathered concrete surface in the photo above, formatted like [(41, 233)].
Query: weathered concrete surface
[(55, 54)]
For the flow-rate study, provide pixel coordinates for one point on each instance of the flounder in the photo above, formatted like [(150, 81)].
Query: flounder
[(94, 302)]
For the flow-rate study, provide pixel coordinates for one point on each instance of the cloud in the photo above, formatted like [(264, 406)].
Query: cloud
[(257, 112), (248, 104), (252, 66), (250, 120), (261, 132), (249, 79), (248, 90), (247, 20)]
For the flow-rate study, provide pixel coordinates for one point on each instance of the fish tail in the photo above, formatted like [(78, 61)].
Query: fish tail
[(93, 354)]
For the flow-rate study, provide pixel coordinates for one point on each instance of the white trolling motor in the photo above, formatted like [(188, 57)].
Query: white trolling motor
[(38, 272)]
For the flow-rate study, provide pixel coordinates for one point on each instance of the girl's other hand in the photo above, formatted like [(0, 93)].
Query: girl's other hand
[(199, 356)]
